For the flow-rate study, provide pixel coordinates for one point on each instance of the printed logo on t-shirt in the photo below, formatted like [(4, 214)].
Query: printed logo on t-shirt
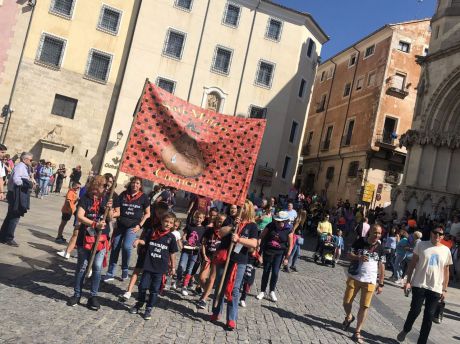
[(434, 260), (193, 239)]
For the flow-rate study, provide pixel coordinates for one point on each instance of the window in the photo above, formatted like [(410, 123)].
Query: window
[(98, 67), (222, 59), (353, 169), (322, 103), (64, 106), (327, 140), (231, 15), (323, 76), (174, 44), (293, 133), (257, 112), (425, 51), (311, 45), (371, 79), (265, 74), (359, 83), (352, 60), (347, 90), (404, 46), (330, 173), (349, 132), (62, 7), (369, 51), (302, 88), (287, 162), (109, 20), (184, 4), (399, 81), (274, 29), (51, 50), (166, 84), (436, 32), (389, 130)]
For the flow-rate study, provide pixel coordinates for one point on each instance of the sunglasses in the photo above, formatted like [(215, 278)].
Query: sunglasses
[(437, 233)]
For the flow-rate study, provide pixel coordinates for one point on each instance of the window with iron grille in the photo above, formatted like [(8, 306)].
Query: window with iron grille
[(274, 29), (166, 84), (353, 169), (98, 65), (369, 51), (174, 44), (64, 106), (222, 60), (184, 4), (257, 112), (62, 7), (51, 50), (109, 19), (265, 74), (231, 15)]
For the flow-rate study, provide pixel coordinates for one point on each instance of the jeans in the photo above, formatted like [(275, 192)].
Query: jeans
[(397, 266), (431, 301), (58, 186), (122, 240), (9, 225), (149, 281), (82, 263), (232, 306), (294, 254), (43, 184), (186, 263), (272, 263)]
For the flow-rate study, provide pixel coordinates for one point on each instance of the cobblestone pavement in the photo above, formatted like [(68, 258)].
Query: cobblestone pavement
[(35, 284)]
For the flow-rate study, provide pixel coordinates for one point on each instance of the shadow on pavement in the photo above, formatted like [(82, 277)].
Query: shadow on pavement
[(41, 235), (451, 314)]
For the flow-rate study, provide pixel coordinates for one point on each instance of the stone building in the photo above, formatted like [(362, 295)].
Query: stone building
[(246, 58), (431, 183), (363, 100), (69, 79)]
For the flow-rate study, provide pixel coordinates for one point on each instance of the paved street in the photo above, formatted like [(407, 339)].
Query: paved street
[(35, 284)]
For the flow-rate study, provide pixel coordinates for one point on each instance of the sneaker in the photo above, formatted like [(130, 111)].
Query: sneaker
[(73, 301), (60, 240), (108, 278), (136, 308), (126, 296), (231, 325), (148, 313), (174, 286), (286, 269), (184, 291), (293, 268), (273, 296), (11, 243), (198, 290), (93, 303), (243, 303), (260, 296), (124, 275), (202, 304), (401, 336), (63, 254)]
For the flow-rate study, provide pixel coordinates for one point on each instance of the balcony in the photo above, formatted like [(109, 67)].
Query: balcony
[(392, 177), (306, 150), (325, 145), (397, 92), (386, 139)]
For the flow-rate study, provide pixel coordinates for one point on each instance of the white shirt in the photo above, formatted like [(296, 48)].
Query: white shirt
[(455, 230), (20, 171), (292, 215), (2, 170), (365, 230)]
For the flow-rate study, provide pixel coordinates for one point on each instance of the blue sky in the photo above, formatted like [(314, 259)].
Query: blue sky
[(347, 21)]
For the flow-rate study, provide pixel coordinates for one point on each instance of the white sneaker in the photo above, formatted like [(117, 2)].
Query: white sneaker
[(63, 254), (184, 291), (174, 286), (126, 296), (260, 296), (243, 303), (273, 296)]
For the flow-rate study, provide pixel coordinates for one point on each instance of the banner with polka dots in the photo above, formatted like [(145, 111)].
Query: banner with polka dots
[(193, 149)]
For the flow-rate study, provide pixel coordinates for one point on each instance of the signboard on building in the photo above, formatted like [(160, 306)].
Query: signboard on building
[(368, 192), (265, 175)]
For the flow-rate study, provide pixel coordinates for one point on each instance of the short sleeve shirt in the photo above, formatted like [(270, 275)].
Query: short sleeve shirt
[(250, 231), (158, 253), (93, 213), (193, 235), (132, 209), (211, 241), (367, 271)]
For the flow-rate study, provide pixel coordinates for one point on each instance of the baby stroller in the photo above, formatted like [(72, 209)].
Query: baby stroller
[(326, 250)]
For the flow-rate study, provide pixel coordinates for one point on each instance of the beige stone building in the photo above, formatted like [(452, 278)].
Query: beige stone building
[(70, 78), (246, 58), (431, 183), (363, 100)]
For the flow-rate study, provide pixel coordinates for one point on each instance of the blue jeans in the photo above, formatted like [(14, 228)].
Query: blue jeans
[(43, 184), (122, 240), (186, 263), (149, 281), (232, 306), (82, 263), (272, 263), (397, 266), (294, 254)]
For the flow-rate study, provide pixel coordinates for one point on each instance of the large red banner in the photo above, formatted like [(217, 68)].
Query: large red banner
[(182, 145)]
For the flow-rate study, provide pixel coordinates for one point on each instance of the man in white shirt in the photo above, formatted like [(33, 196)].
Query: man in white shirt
[(427, 277), (291, 212), (455, 229)]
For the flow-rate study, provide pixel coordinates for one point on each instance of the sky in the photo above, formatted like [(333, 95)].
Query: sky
[(347, 21)]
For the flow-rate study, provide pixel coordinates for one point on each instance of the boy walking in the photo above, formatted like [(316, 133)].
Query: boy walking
[(69, 207)]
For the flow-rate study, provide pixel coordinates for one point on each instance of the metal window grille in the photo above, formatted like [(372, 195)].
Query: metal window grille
[(64, 106), (110, 19), (274, 29), (187, 4), (51, 50), (174, 44), (166, 84), (64, 7), (257, 112), (99, 65), (232, 15), (369, 50), (222, 60), (265, 74)]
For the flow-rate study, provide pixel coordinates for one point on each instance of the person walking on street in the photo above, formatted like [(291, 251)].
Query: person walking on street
[(367, 258), (61, 174), (427, 279), (45, 174), (68, 209), (75, 175), (18, 198)]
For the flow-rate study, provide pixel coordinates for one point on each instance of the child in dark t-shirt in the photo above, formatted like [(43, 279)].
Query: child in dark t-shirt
[(159, 259)]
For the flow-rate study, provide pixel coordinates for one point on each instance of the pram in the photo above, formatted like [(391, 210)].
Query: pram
[(326, 250)]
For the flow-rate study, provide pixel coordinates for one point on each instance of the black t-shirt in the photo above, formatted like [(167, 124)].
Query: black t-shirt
[(158, 253), (193, 235), (93, 213), (276, 240), (229, 221), (250, 231), (132, 209), (211, 241)]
